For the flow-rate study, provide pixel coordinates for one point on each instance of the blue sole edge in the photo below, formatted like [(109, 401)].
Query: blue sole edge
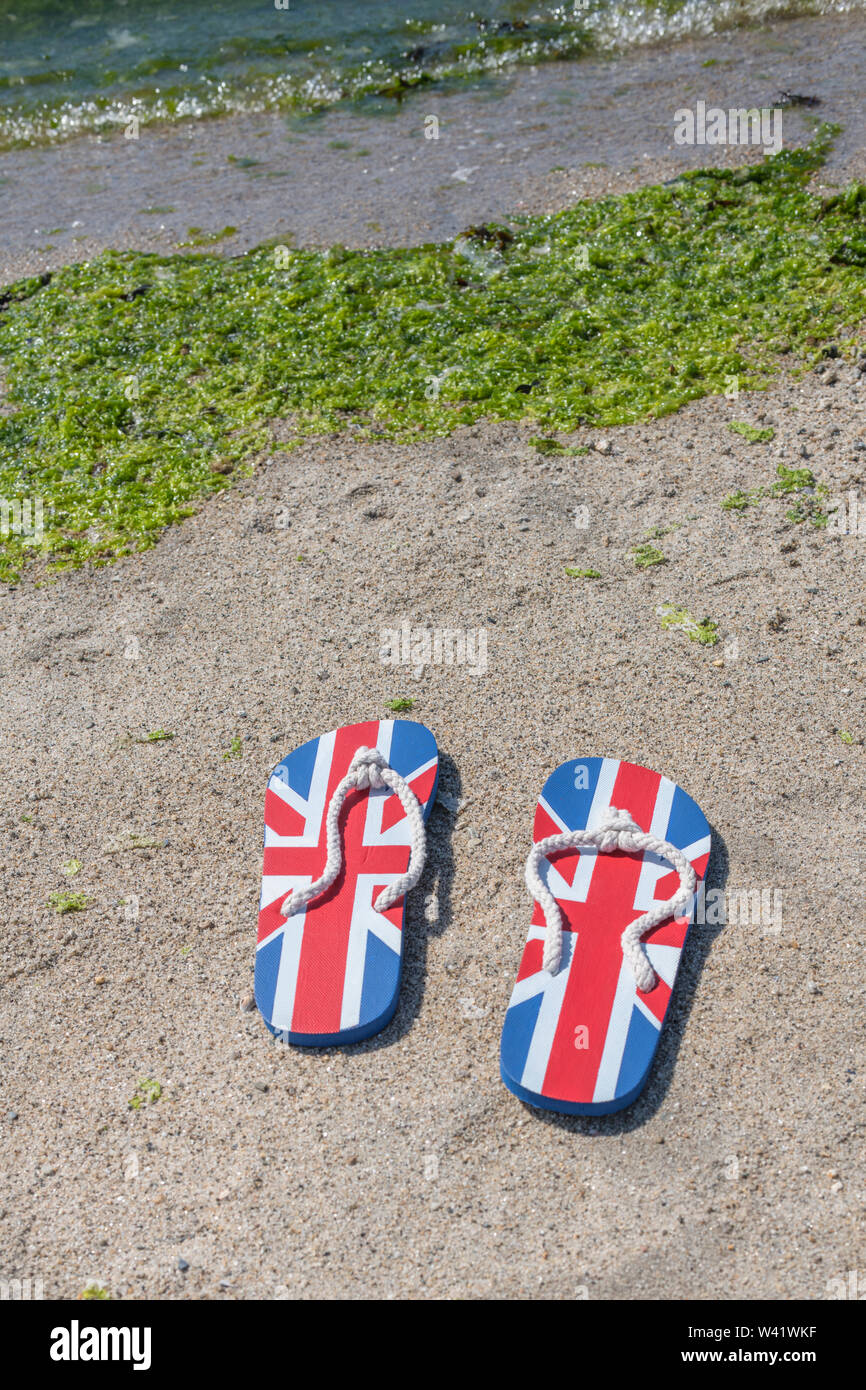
[(571, 1107), (348, 1035)]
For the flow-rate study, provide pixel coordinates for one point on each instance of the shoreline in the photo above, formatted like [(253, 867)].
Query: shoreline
[(609, 312), (558, 133)]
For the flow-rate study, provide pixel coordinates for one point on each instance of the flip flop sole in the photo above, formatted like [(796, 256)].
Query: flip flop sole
[(582, 1041), (330, 974)]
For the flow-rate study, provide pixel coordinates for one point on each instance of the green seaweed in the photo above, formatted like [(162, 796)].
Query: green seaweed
[(400, 705), (94, 1292), (704, 631), (197, 237), (655, 533), (147, 1092), (136, 385), (790, 480), (753, 433), (234, 750), (645, 556), (739, 500), (582, 574), (811, 496), (543, 445), (68, 902)]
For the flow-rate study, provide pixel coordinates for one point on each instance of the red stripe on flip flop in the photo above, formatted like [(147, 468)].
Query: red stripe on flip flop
[(280, 817), (533, 955), (422, 786)]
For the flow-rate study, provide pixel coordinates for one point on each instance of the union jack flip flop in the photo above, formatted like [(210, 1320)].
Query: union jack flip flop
[(614, 895), (344, 843)]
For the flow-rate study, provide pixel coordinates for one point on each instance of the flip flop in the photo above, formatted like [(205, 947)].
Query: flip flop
[(614, 894), (344, 843)]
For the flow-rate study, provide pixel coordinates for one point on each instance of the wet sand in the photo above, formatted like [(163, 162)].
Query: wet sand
[(552, 135)]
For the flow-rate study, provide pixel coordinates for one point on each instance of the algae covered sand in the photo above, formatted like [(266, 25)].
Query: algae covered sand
[(137, 384)]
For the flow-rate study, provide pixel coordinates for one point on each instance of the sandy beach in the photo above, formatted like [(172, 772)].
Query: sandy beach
[(401, 1167)]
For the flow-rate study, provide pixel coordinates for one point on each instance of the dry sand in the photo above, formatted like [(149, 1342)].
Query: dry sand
[(401, 1167)]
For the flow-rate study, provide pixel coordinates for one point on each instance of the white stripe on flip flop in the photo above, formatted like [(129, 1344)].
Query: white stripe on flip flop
[(277, 886), (287, 975), (662, 809), (280, 787), (697, 848), (532, 984), (557, 819), (400, 833), (376, 796), (617, 1032), (653, 868), (578, 891), (559, 886), (600, 802), (538, 1056), (664, 960), (313, 806), (528, 987), (365, 920)]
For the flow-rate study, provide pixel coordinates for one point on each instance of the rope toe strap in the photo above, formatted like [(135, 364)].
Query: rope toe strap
[(616, 831), (368, 768)]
